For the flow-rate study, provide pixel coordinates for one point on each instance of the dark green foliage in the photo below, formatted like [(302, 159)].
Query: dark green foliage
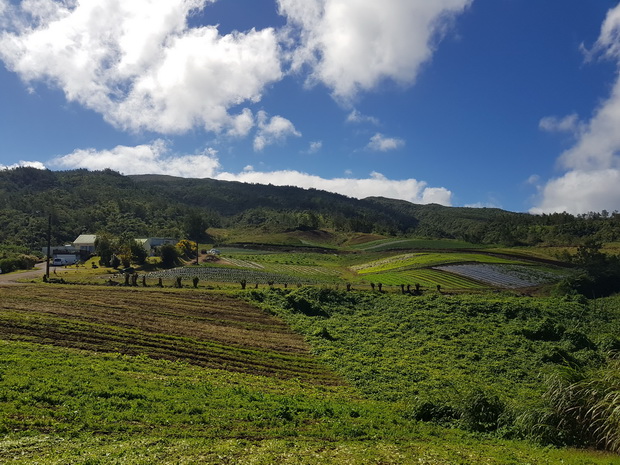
[(138, 252), (104, 248), (115, 262), (583, 405), (17, 262), (434, 412), (600, 273), (481, 411), (196, 226), (610, 343), (469, 361), (546, 330), (150, 205), (169, 255), (577, 340)]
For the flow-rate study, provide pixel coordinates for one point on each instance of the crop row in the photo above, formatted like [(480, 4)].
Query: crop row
[(424, 277), (497, 275), (232, 275), (421, 260), (284, 268), (244, 263)]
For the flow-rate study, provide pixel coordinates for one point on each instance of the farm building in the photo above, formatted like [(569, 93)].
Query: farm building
[(85, 243), (151, 243)]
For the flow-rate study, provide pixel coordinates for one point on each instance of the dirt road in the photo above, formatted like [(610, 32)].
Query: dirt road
[(14, 278)]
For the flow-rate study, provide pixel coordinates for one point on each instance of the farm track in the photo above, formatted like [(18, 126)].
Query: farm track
[(213, 330)]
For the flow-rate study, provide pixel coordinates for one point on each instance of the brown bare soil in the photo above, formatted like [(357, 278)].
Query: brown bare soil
[(208, 329)]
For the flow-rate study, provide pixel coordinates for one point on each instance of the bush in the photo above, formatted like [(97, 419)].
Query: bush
[(585, 405), (481, 412), (169, 255), (547, 330), (20, 262), (434, 412)]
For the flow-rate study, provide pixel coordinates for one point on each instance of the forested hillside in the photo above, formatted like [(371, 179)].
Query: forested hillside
[(82, 201)]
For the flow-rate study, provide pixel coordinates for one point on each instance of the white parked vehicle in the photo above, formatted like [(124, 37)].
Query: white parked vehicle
[(62, 260)]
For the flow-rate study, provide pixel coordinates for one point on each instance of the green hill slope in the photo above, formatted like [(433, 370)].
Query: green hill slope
[(153, 205)]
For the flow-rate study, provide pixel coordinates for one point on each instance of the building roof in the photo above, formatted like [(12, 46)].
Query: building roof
[(85, 239)]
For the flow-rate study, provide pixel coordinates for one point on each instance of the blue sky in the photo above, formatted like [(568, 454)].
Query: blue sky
[(499, 103)]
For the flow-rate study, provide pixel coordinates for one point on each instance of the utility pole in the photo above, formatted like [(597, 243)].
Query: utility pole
[(49, 245)]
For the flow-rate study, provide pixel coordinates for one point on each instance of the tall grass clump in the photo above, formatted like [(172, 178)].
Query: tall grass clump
[(583, 407)]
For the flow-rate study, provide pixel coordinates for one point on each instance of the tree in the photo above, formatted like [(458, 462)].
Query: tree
[(169, 255), (600, 272), (195, 226), (187, 248), (115, 262), (103, 248), (138, 252)]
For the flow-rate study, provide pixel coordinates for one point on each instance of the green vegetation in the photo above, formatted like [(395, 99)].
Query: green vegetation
[(426, 260), (133, 376), (448, 358), (428, 279), (149, 205), (420, 360), (431, 244)]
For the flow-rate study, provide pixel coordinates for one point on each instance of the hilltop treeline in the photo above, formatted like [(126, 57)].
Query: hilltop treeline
[(83, 201)]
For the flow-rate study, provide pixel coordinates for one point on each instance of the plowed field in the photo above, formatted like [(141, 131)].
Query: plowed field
[(206, 329)]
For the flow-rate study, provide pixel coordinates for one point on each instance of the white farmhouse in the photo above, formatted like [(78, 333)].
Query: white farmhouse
[(85, 243)]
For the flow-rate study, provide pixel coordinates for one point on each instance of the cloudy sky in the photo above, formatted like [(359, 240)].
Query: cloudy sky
[(498, 103)]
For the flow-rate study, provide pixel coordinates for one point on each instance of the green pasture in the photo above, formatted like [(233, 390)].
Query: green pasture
[(405, 243)]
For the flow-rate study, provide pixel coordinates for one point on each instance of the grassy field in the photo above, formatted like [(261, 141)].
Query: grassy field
[(93, 375)]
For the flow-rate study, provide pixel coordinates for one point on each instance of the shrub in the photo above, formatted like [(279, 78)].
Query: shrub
[(547, 330), (435, 412), (481, 411), (585, 405), (20, 262)]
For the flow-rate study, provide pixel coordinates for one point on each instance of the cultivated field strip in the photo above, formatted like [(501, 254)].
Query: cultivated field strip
[(424, 260), (425, 277), (292, 275), (511, 277), (211, 330)]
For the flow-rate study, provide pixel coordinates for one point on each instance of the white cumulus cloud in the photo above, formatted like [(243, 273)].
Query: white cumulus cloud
[(381, 143), (411, 190), (352, 45), (139, 64), (591, 179), (23, 163), (154, 158), (272, 130)]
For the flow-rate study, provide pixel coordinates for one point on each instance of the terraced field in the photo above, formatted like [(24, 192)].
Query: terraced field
[(500, 275), (394, 244), (425, 260), (211, 330), (425, 278)]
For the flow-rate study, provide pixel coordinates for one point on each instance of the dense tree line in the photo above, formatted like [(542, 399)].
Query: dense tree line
[(151, 205)]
